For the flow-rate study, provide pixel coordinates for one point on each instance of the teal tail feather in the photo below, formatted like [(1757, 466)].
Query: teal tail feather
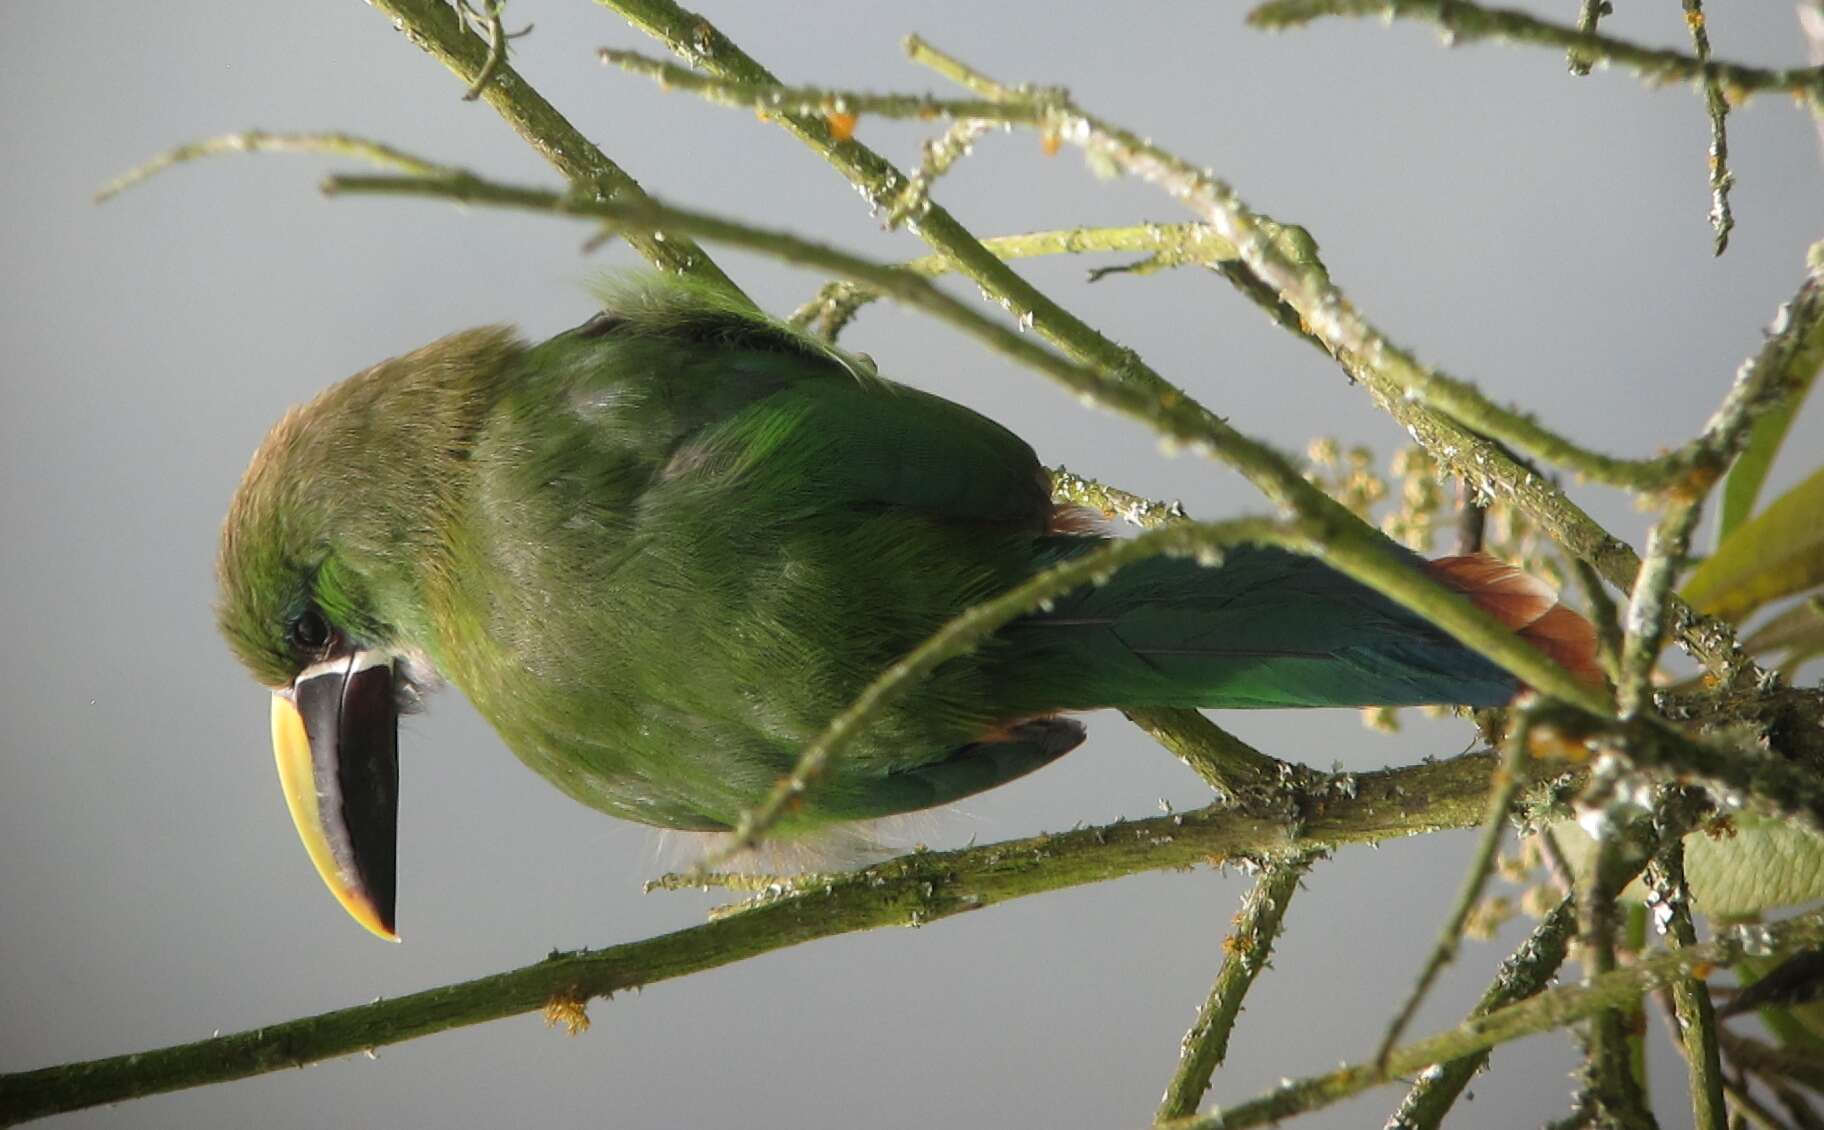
[(1267, 628)]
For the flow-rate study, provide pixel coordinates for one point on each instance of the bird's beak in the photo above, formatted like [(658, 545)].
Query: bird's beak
[(335, 735)]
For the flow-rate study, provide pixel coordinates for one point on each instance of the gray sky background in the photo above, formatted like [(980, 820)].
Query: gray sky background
[(1542, 235)]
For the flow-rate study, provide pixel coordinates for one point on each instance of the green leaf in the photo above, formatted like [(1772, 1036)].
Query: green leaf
[(1765, 865), (1743, 483), (1776, 553)]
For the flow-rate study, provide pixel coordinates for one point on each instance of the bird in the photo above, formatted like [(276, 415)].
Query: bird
[(661, 550)]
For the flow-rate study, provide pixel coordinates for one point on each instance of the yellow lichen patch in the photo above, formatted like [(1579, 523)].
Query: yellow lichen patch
[(571, 1012)]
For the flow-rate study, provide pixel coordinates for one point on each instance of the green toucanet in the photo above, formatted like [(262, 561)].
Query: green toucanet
[(660, 551)]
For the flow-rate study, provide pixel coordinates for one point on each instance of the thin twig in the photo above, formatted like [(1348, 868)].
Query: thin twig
[(1555, 862), (1668, 548), (837, 303), (1472, 520), (1348, 545), (1611, 1092), (703, 46), (1769, 783), (1588, 14), (1247, 951), (1526, 972), (1113, 502), (1230, 766), (1634, 1020), (1551, 1009), (441, 30), (1256, 290), (259, 141), (940, 153), (765, 97), (1722, 220), (1811, 23), (1502, 794), (497, 49), (1466, 21), (1603, 614), (1671, 910)]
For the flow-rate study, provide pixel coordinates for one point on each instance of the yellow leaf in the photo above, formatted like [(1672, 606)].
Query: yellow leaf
[(1778, 552)]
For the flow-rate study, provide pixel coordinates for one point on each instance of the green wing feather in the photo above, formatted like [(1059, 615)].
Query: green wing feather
[(745, 529)]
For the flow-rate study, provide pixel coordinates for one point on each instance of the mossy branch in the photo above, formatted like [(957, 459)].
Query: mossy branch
[(836, 305), (915, 889), (1467, 21), (1245, 954), (440, 29), (1696, 1019), (1722, 217), (260, 141), (1541, 1013), (766, 97), (1524, 974), (1505, 791)]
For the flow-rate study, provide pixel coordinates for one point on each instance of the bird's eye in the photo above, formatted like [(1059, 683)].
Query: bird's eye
[(310, 631)]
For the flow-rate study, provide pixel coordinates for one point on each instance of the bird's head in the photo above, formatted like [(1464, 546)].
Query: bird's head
[(323, 558)]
